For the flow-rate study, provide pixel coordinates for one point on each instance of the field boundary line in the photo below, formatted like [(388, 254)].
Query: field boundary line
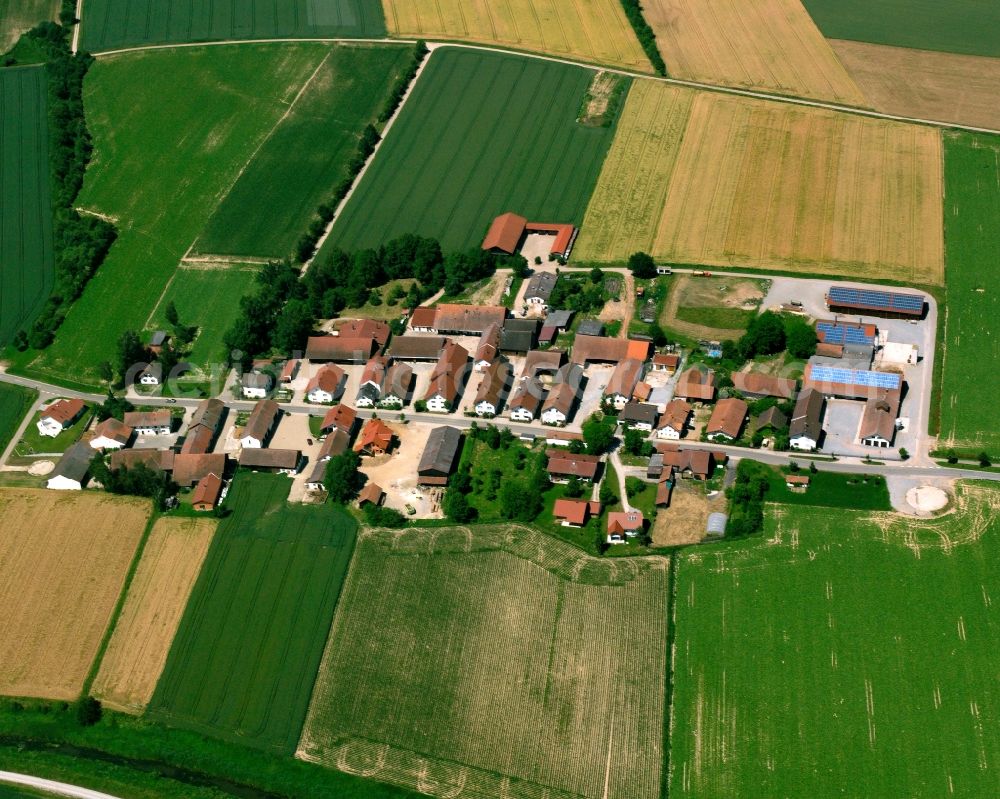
[(75, 44), (371, 158), (260, 145), (166, 288), (691, 84)]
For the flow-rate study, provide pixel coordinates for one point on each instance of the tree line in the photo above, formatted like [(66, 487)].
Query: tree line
[(633, 10), (80, 243)]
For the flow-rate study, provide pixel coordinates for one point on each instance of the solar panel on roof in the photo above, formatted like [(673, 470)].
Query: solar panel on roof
[(857, 377), (834, 333), (871, 298)]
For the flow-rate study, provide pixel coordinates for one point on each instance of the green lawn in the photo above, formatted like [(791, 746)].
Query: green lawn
[(957, 26), (33, 442), (248, 648), (119, 23), (171, 129), (847, 653), (482, 133), (15, 402), (275, 199), (28, 268), (833, 490), (490, 467), (970, 415), (209, 299), (719, 318)]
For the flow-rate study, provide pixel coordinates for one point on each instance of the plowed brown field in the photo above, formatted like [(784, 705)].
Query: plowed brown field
[(765, 44), (153, 608), (63, 561), (926, 85)]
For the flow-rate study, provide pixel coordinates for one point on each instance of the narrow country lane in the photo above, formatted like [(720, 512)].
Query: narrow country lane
[(57, 788)]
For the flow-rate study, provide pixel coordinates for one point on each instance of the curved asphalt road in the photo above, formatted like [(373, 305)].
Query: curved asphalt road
[(52, 787)]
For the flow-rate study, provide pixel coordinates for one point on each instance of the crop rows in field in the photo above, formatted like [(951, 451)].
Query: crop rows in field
[(850, 648), (15, 402), (26, 260), (761, 184), (64, 557), (244, 659), (767, 44), (276, 196), (108, 24), (157, 596), (482, 134), (172, 129), (970, 418), (958, 26), (589, 30), (495, 662)]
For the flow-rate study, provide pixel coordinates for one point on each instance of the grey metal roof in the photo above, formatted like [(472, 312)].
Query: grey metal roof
[(590, 327), (519, 335), (256, 380), (159, 337), (558, 318), (540, 285), (441, 451), (74, 463)]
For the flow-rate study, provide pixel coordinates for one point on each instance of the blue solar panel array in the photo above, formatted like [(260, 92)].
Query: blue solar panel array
[(834, 333), (857, 377), (869, 298)]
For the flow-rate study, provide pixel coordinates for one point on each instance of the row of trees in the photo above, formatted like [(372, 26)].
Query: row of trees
[(80, 243), (633, 10), (579, 294), (137, 481)]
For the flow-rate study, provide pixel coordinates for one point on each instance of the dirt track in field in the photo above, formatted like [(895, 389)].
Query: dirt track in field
[(153, 608), (64, 557), (919, 83), (764, 44), (591, 30)]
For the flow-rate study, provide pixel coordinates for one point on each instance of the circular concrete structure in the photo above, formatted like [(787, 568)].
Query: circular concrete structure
[(41, 468), (927, 499)]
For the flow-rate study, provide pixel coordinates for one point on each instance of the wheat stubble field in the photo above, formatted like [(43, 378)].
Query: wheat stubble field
[(63, 562), (495, 662), (589, 30), (157, 596), (767, 44), (761, 184)]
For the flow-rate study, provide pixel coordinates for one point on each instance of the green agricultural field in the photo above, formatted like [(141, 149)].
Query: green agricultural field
[(832, 490), (27, 268), (247, 651), (970, 416), (109, 24), (275, 199), (172, 129), (495, 662), (849, 653), (958, 26), (15, 402), (208, 299), (482, 133)]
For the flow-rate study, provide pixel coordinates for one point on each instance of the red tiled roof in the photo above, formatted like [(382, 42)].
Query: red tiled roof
[(376, 434), (289, 370), (727, 417), (696, 383), (364, 328), (762, 384), (207, 491), (326, 379), (340, 348), (113, 429), (628, 521), (64, 411), (569, 464), (505, 233), (423, 317), (668, 359), (575, 511), (341, 417), (197, 441), (189, 469), (370, 493)]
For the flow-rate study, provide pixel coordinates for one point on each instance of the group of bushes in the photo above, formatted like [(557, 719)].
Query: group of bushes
[(306, 246), (80, 243)]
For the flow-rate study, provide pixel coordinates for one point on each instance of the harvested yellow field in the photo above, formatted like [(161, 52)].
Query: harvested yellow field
[(64, 558), (771, 186), (924, 84), (158, 594), (764, 44), (588, 30)]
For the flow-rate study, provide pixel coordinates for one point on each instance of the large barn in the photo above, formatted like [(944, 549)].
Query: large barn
[(890, 304), (509, 230)]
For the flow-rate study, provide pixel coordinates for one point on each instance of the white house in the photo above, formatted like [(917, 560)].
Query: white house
[(58, 416), (325, 387), (806, 427), (150, 423), (256, 385), (438, 403), (111, 434), (674, 420), (260, 425)]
